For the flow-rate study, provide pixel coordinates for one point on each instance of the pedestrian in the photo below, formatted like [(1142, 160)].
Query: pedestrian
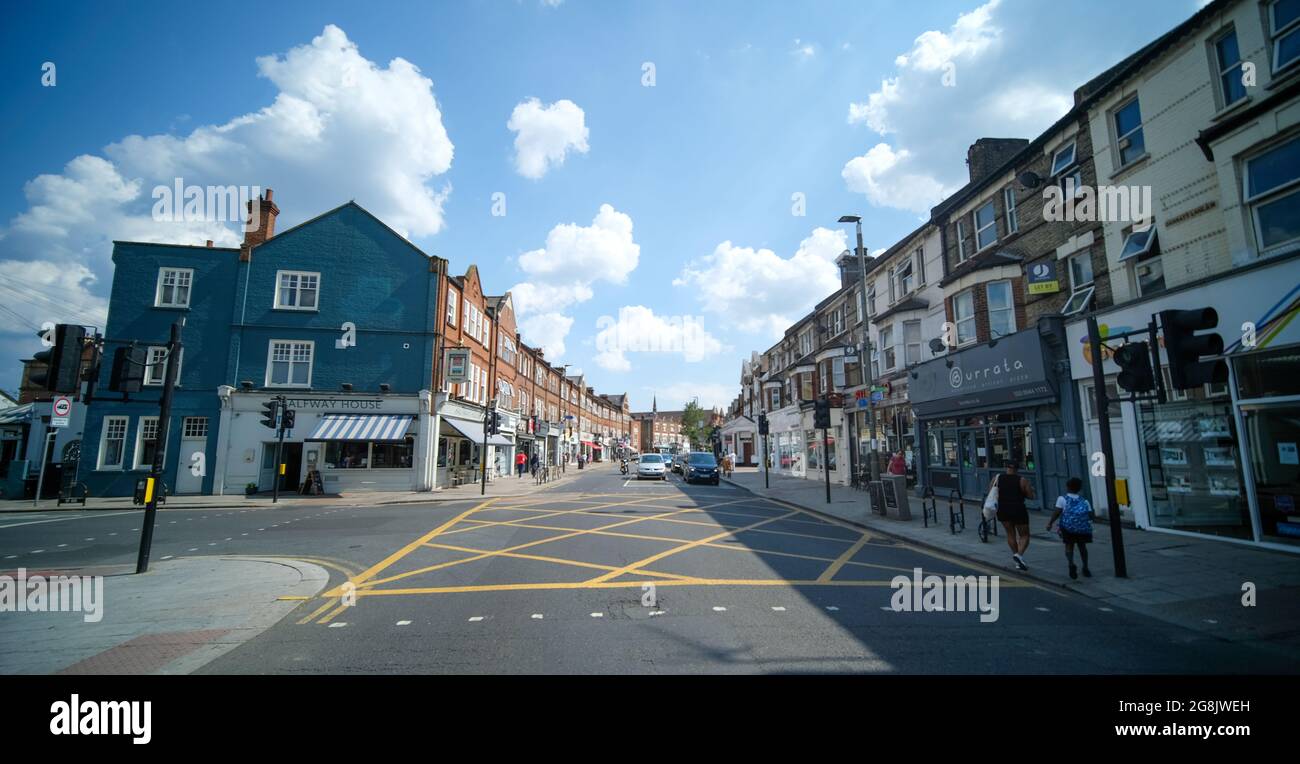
[(1011, 491), (521, 459), (1075, 514), (726, 465), (534, 463), (898, 464)]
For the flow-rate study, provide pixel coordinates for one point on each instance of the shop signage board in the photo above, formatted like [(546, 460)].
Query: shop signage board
[(1011, 371), (1042, 278), (458, 365)]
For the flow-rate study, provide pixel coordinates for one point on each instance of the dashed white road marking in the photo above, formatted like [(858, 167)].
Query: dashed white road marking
[(192, 549), (719, 609), (886, 608), (597, 615), (62, 545), (778, 608), (1042, 609), (11, 557), (337, 625), (1105, 610), (657, 612), (37, 551), (166, 557), (403, 623), (831, 608), (537, 616), (1210, 620), (474, 618)]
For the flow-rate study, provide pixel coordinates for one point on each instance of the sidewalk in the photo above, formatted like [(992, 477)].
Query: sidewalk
[(1196, 583), (177, 617), (499, 487)]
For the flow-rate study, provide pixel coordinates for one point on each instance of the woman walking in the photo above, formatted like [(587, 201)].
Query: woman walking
[(1012, 490)]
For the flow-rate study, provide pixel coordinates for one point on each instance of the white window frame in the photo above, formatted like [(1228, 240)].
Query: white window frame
[(920, 267), (1143, 249), (1011, 306), (191, 426), (451, 306), (871, 300), (1276, 35), (1080, 293), (177, 274), (297, 291), (1276, 193), (1009, 201), (958, 320), (1059, 167), (774, 398), (906, 275), (140, 439), (1222, 72), (805, 342), (961, 242), (109, 421), (160, 365), (270, 361), (889, 352), (837, 321), (993, 223), (908, 345), (1119, 139)]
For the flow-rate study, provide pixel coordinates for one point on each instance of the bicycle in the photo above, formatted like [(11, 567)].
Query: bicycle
[(988, 523)]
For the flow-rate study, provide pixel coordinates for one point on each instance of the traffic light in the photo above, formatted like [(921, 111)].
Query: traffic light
[(1134, 362), (1185, 348), (286, 419), (269, 411), (822, 414), (62, 372), (762, 424), (127, 375)]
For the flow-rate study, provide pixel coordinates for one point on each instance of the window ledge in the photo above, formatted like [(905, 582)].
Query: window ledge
[(1126, 169), (1232, 108), (172, 307), (296, 310), (1284, 75)]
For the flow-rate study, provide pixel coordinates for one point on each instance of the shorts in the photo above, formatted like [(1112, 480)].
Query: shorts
[(1070, 537), (1014, 515)]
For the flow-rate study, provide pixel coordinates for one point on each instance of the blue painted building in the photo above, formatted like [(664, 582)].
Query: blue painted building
[(337, 315)]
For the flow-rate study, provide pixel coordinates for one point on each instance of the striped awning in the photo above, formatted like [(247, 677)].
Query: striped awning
[(17, 414), (362, 427)]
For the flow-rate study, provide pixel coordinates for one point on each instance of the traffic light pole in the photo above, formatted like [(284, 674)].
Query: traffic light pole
[(279, 450), (154, 485), (1107, 450), (826, 465)]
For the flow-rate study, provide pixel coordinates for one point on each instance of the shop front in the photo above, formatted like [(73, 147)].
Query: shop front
[(1219, 460), (461, 437), (990, 404), (786, 442), (738, 437), (352, 442)]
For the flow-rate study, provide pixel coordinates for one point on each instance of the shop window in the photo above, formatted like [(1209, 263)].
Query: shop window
[(392, 455), (347, 454), (1273, 434), (1268, 374)]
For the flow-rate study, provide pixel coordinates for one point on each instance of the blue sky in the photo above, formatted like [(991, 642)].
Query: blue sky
[(752, 103)]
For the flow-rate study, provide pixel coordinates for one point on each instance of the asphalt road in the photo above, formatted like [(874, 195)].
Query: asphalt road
[(617, 576)]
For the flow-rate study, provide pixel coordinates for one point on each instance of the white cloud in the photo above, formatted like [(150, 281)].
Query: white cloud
[(760, 291), (882, 175), (803, 50), (951, 87), (638, 330), (546, 331), (339, 127), (562, 273), (544, 135)]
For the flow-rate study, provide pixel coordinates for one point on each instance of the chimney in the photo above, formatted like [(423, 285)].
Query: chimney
[(988, 154), (260, 226)]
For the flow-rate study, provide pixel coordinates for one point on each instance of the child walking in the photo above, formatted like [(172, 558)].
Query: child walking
[(1075, 514)]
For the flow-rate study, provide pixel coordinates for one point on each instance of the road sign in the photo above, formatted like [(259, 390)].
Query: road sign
[(60, 409)]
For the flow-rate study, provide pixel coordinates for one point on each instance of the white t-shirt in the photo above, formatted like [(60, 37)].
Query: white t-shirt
[(1060, 500)]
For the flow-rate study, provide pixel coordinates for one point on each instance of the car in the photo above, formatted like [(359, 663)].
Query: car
[(701, 466), (651, 466), (679, 461)]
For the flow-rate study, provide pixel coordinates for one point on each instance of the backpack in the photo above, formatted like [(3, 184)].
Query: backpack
[(1076, 517)]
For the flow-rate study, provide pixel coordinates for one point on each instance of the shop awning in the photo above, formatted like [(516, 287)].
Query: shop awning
[(17, 414), (468, 428), (362, 427)]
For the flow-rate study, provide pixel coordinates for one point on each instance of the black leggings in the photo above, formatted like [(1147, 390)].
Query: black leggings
[(1083, 553)]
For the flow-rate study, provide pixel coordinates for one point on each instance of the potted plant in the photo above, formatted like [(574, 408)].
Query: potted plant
[(250, 489)]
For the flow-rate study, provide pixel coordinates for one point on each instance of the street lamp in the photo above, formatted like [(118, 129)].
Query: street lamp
[(864, 349)]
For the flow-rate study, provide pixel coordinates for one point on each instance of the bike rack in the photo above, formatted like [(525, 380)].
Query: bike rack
[(956, 512), (930, 510)]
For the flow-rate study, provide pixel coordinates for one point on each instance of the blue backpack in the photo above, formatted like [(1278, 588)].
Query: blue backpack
[(1077, 515)]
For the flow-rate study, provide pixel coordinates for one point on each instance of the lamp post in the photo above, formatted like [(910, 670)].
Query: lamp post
[(864, 350)]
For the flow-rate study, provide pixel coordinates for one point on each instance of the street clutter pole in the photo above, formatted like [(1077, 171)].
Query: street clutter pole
[(153, 486), (1103, 422), (864, 353)]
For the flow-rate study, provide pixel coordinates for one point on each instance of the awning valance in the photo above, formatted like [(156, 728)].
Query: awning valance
[(468, 428), (361, 427)]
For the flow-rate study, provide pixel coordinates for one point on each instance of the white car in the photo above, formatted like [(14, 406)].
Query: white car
[(651, 466)]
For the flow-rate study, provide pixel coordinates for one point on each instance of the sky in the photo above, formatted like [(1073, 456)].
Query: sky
[(657, 183)]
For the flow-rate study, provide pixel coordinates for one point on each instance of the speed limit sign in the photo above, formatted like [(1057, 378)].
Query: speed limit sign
[(60, 410)]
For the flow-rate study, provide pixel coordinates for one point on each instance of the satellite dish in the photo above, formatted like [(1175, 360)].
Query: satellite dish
[(936, 345), (1029, 179)]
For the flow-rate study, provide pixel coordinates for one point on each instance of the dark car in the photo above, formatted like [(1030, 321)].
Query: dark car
[(700, 465), (679, 464)]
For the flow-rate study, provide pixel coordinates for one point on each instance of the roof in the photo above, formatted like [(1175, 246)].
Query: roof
[(991, 259)]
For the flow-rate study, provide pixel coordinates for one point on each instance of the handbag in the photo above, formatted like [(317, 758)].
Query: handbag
[(991, 502)]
